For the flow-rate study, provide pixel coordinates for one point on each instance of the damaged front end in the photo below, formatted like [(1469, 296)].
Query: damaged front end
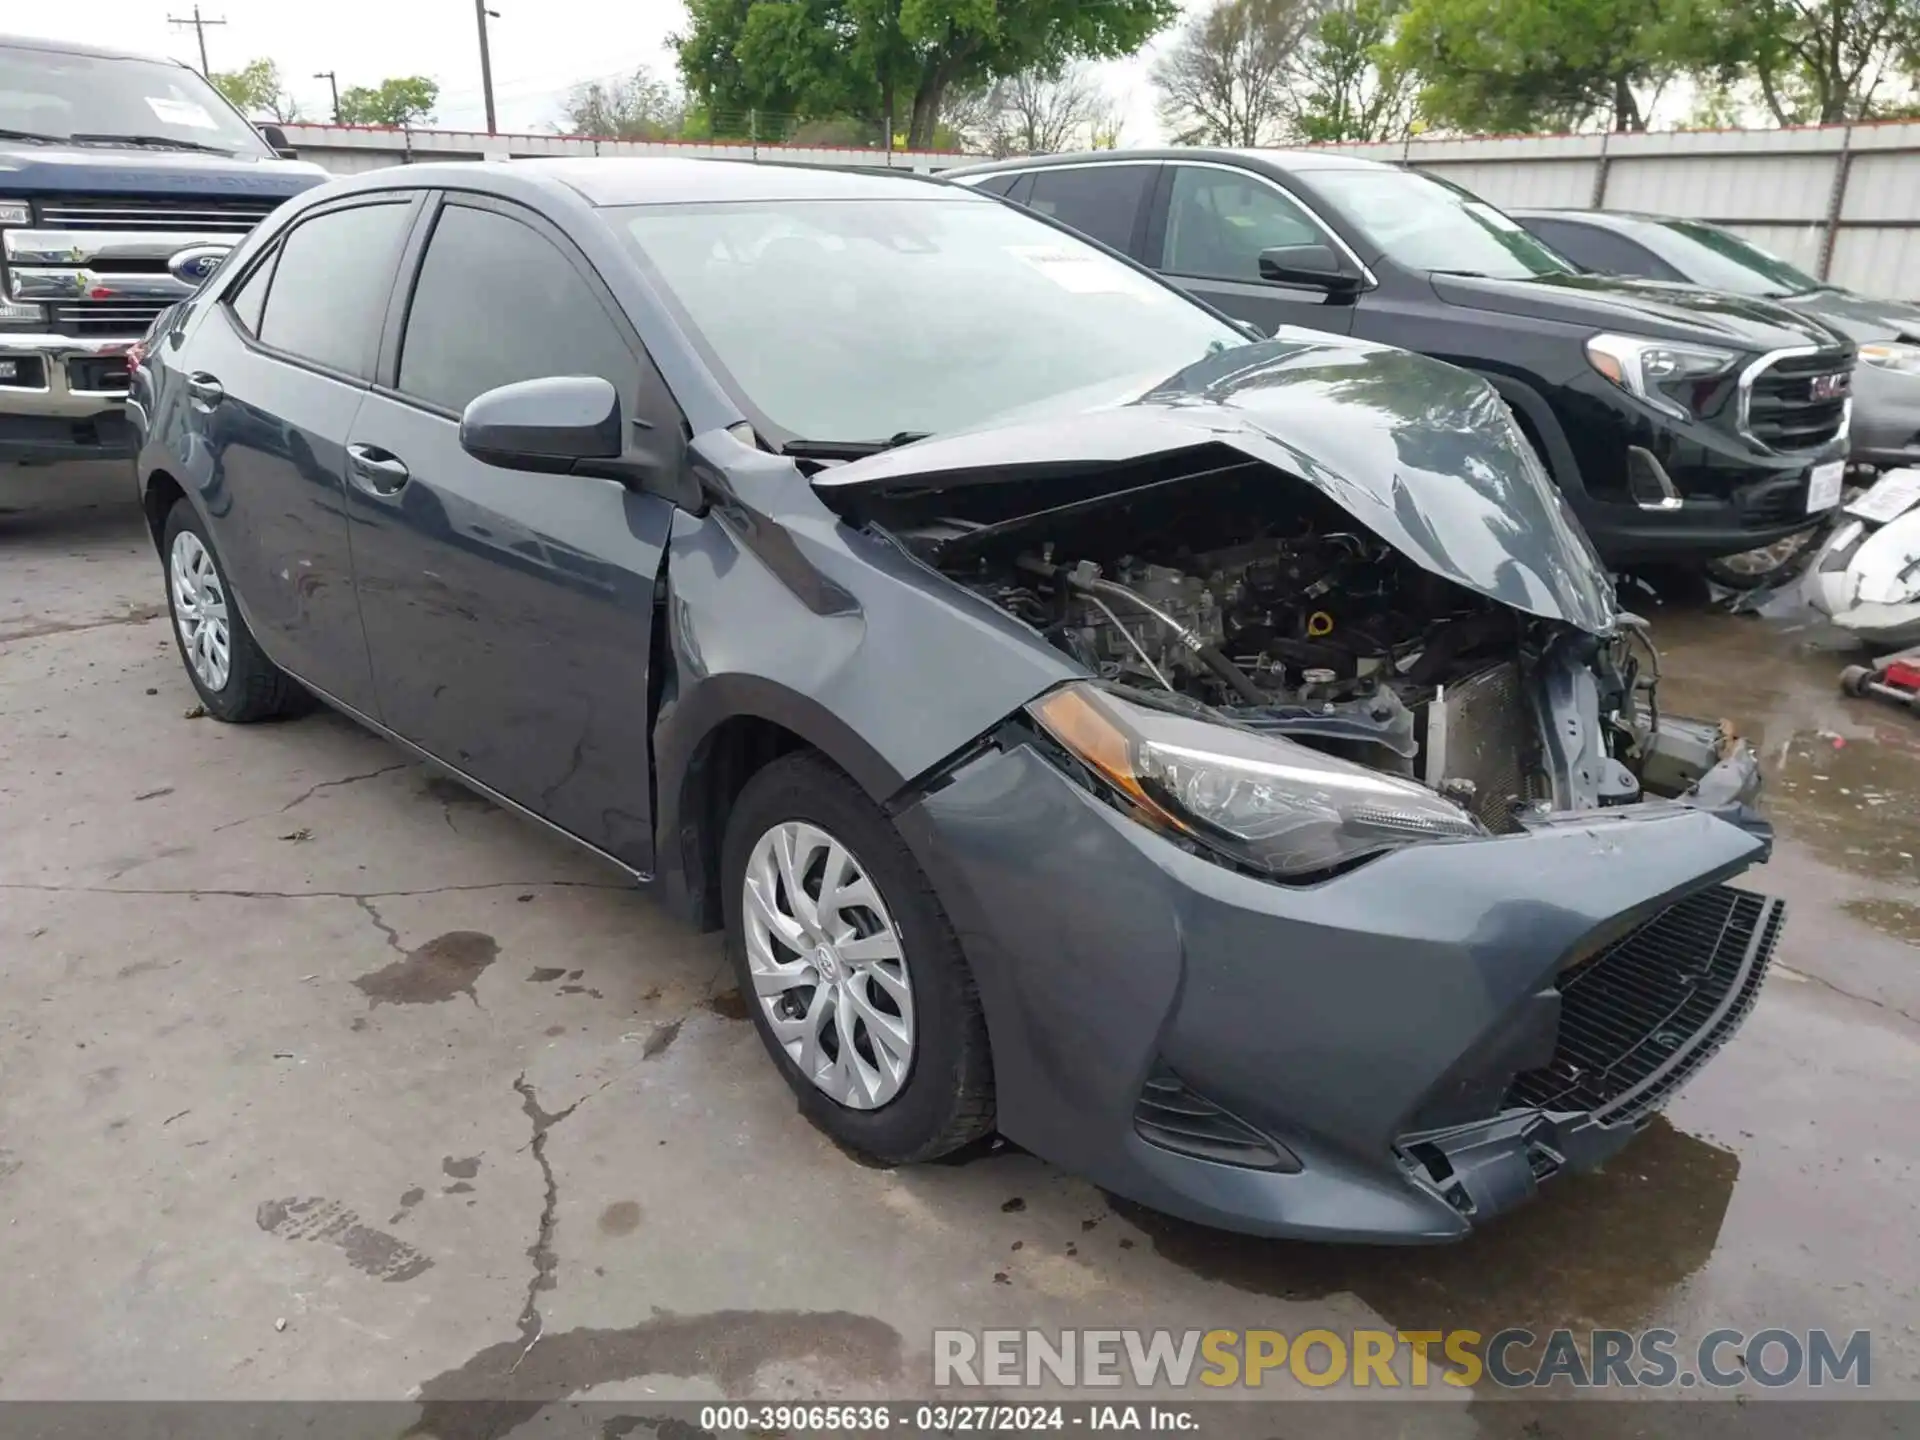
[(1334, 620), (1408, 594)]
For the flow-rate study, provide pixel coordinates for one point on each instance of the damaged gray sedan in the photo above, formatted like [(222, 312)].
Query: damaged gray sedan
[(1217, 765)]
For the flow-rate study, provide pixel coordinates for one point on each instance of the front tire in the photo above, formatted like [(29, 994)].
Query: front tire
[(235, 680), (850, 969)]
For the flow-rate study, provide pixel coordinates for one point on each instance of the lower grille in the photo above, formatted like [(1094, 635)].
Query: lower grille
[(1641, 1016), (1799, 402), (107, 317), (1172, 1116)]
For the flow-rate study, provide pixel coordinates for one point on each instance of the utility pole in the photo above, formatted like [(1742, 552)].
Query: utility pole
[(333, 84), (480, 14), (200, 32)]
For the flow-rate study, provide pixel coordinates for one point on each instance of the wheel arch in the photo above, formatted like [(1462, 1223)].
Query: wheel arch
[(158, 495), (707, 744)]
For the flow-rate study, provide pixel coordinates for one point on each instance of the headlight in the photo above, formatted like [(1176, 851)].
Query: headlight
[(1260, 800), (1682, 380), (1891, 355)]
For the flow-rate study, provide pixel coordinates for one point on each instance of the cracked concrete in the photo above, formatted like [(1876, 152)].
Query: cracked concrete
[(210, 1124)]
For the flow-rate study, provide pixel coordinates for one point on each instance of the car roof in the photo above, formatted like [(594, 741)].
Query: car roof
[(1622, 220), (1248, 158), (670, 180), (74, 47)]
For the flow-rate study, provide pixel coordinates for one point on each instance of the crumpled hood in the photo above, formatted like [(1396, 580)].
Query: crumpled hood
[(1422, 453), (127, 170), (1640, 307)]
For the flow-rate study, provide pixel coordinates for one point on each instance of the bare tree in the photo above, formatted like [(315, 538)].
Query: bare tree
[(640, 107), (1035, 113), (1224, 81)]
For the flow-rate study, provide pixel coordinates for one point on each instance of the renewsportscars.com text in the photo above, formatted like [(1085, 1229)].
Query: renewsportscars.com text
[(1395, 1359)]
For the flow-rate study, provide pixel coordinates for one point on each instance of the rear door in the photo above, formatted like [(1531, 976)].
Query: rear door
[(275, 376), (509, 613), (1209, 231)]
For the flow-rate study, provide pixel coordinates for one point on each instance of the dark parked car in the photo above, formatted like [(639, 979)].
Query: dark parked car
[(1886, 386), (1680, 424), (123, 181), (1218, 765)]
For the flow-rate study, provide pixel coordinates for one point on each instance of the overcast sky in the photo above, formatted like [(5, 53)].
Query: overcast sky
[(541, 48)]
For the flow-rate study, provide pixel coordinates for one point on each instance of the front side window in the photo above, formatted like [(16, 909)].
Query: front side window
[(1218, 222), (329, 290), (1426, 225), (1098, 200), (859, 320), (51, 95), (250, 300), (496, 302)]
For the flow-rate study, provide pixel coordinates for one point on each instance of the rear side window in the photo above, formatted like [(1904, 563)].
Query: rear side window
[(251, 298), (1592, 248), (329, 289), (498, 302), (1098, 200), (998, 184)]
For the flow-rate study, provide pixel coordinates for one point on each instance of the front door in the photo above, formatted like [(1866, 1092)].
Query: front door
[(1218, 220), (509, 613)]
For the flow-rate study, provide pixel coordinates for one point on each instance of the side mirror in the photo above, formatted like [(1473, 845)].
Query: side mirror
[(276, 139), (549, 425), (1314, 265)]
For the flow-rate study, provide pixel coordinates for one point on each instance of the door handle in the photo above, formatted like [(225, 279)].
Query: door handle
[(205, 391), (377, 471)]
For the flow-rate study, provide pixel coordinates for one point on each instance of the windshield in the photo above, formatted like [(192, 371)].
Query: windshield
[(855, 321), (1422, 224), (56, 96), (1720, 260)]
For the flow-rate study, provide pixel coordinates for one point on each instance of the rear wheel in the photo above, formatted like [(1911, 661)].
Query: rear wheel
[(852, 973), (235, 680)]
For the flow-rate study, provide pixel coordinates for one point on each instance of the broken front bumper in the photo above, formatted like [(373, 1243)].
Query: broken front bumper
[(1337, 1061)]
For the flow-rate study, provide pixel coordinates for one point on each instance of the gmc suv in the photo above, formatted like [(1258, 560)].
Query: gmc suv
[(124, 181), (1681, 424)]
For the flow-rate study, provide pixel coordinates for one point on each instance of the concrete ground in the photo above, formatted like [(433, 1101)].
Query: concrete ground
[(294, 1031)]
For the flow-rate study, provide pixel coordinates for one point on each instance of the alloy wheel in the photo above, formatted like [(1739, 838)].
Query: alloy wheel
[(200, 610), (828, 967)]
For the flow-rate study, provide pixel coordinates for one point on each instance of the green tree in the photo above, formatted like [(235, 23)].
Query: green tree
[(640, 107), (1347, 83), (406, 100), (1811, 61), (888, 61), (1512, 66), (255, 91)]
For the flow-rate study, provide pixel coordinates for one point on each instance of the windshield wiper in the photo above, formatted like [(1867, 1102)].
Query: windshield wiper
[(849, 449), (35, 136), (164, 142)]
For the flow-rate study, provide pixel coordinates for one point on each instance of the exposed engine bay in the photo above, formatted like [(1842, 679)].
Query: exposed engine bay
[(1272, 608)]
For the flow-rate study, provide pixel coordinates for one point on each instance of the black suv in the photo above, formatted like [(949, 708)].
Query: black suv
[(1680, 423)]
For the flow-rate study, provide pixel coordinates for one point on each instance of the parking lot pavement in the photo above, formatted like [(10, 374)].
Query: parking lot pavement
[(293, 1030)]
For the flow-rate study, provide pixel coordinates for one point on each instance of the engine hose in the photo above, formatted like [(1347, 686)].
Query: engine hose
[(1229, 673)]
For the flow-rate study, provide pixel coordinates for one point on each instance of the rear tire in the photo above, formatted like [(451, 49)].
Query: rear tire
[(234, 678), (894, 1065)]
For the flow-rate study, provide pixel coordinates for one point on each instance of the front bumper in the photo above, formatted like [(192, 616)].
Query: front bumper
[(1886, 418), (63, 398), (1371, 1027)]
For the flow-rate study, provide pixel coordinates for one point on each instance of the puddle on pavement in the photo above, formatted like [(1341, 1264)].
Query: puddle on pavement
[(446, 966), (1598, 1250), (1841, 773)]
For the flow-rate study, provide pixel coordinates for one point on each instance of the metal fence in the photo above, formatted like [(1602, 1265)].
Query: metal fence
[(1842, 201), (352, 149)]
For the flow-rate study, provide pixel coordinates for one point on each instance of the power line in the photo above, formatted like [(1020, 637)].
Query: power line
[(200, 33)]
